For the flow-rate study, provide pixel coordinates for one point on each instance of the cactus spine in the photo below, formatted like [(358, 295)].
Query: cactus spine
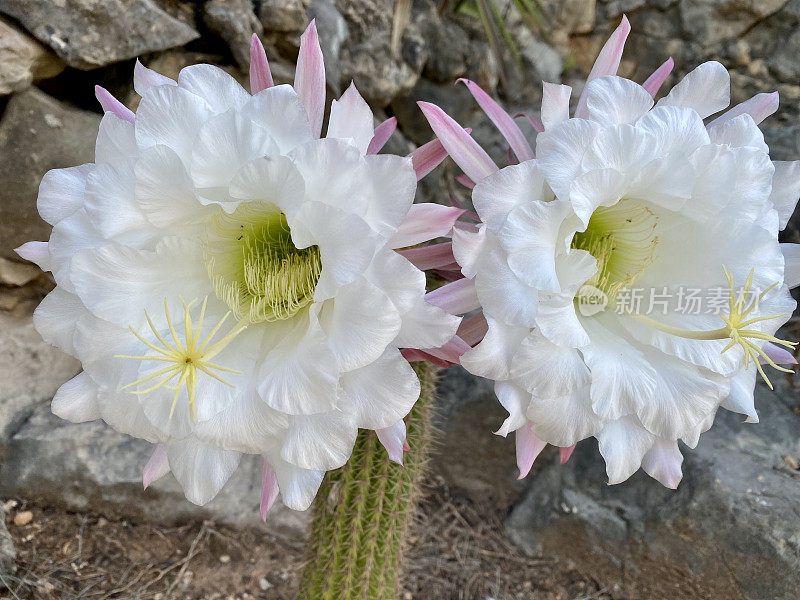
[(363, 511)]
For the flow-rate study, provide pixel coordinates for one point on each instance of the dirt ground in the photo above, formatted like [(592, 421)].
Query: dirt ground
[(458, 552)]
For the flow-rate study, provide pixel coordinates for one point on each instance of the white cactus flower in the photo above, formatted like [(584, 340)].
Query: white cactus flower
[(585, 255), (229, 280)]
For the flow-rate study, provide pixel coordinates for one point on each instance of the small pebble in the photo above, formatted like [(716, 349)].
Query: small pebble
[(264, 584), (224, 559), (791, 462), (23, 518)]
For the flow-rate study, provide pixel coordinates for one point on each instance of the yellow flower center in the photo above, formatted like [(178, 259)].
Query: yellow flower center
[(254, 266), (622, 239)]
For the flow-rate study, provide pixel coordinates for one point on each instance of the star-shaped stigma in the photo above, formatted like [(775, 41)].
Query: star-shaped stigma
[(736, 324), (184, 358), (737, 321)]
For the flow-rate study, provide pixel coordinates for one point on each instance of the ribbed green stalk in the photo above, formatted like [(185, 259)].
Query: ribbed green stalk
[(363, 511)]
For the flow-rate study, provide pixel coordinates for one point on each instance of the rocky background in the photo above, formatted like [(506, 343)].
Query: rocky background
[(732, 530)]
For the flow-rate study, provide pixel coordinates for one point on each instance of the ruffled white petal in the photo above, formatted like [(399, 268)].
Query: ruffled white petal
[(76, 400), (201, 469), (706, 90)]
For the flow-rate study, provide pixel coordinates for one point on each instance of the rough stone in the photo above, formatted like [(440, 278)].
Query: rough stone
[(37, 133), (235, 22), (467, 456), (709, 22), (367, 58), (23, 60), (7, 552), (30, 372), (731, 530), (283, 15), (89, 466), (89, 33), (448, 47), (378, 74)]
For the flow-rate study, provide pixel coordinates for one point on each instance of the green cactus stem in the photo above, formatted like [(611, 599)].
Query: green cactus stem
[(363, 512)]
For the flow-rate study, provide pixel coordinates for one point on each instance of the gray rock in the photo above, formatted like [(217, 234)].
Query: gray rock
[(23, 60), (367, 58), (89, 466), (37, 133), (235, 22), (711, 21), (448, 47), (30, 373), (467, 456), (88, 34), (731, 530), (283, 15), (7, 553)]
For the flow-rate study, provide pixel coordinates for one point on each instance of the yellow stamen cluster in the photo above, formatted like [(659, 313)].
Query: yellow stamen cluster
[(254, 266), (622, 239), (736, 323), (184, 358)]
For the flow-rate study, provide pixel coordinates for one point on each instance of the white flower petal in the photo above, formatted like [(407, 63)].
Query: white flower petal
[(739, 132), (530, 235), (381, 393), (791, 257), (559, 152), (55, 318), (224, 144), (706, 90), (492, 357), (741, 399), (346, 244), (271, 179), (676, 129), (298, 486), (62, 192), (360, 322), (219, 89), (116, 141), (144, 78), (279, 112), (515, 400), (683, 398), (663, 462), (565, 420), (118, 283), (76, 400), (172, 116), (201, 469), (501, 192), (165, 192), (621, 375), (623, 444), (322, 441), (299, 374), (548, 370), (555, 104), (614, 100), (785, 189), (112, 207), (351, 118)]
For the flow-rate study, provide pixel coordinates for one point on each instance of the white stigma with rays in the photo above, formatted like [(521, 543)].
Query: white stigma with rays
[(184, 358), (622, 239)]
